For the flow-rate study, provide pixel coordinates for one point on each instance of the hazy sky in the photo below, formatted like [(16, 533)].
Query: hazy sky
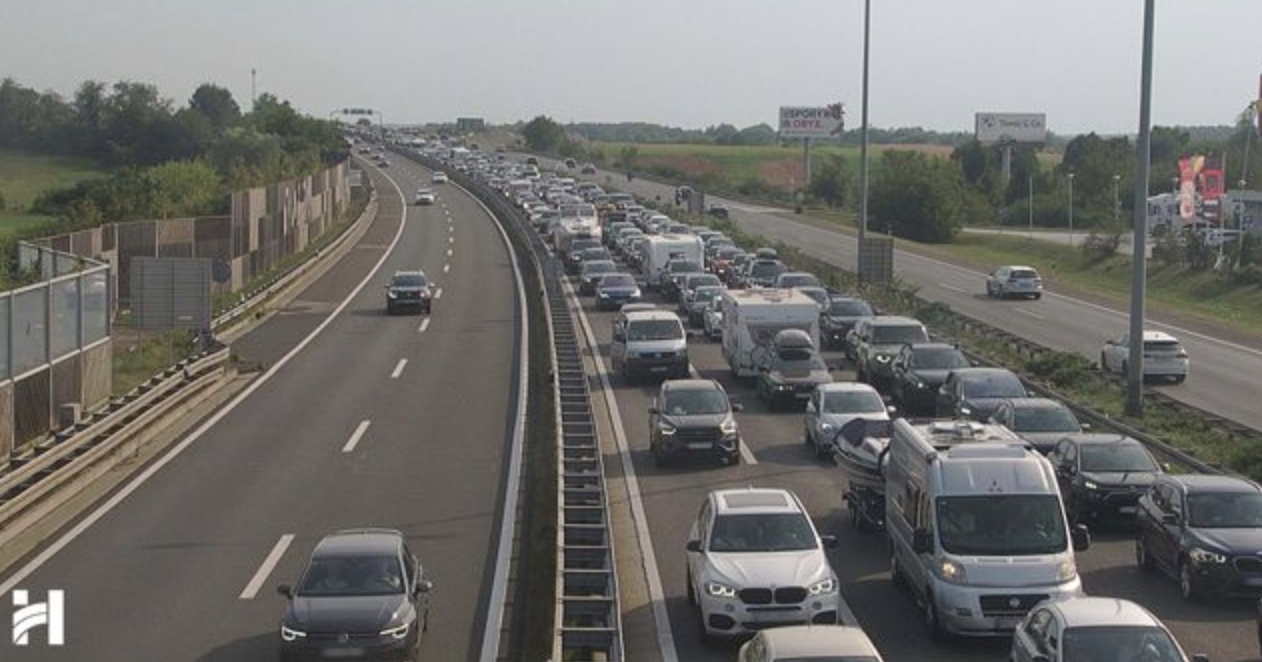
[(681, 62)]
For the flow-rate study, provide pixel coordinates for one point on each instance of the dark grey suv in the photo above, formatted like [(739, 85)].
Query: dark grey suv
[(408, 290), (693, 417)]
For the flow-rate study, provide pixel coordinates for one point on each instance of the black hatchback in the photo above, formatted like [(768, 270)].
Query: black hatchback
[(363, 595), (1206, 531), (1102, 476)]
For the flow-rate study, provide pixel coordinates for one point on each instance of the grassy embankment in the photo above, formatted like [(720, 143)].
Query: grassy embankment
[(25, 175)]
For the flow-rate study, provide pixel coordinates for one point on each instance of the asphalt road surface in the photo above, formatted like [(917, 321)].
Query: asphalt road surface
[(1224, 365), (167, 573), (774, 440)]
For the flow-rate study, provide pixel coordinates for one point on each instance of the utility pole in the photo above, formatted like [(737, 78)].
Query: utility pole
[(1030, 183), (254, 94), (1135, 360), (863, 142), (1071, 209)]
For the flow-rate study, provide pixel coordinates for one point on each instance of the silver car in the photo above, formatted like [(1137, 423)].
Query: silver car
[(1089, 629), (1014, 281)]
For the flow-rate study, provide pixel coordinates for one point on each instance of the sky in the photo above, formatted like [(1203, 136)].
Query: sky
[(689, 63)]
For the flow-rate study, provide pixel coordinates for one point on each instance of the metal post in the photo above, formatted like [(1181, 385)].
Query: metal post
[(806, 159), (1071, 210), (1031, 199), (1135, 360), (1117, 200), (863, 142)]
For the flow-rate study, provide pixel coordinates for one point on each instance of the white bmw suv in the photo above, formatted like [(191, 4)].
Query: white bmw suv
[(755, 561)]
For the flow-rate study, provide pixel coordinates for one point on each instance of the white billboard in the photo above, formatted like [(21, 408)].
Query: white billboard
[(812, 121), (1028, 128)]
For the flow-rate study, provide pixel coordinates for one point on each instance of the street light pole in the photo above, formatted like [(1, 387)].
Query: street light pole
[(1117, 200), (1071, 210), (863, 142), (1143, 147), (1030, 197)]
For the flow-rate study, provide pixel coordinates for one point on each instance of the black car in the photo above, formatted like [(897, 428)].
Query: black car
[(573, 256), (614, 290), (976, 392), (840, 316), (790, 369), (763, 272), (363, 595), (591, 272), (1204, 530), (693, 417), (1102, 476), (918, 371), (408, 290), (673, 276), (1041, 421)]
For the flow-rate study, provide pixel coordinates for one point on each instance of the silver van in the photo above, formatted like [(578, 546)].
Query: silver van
[(649, 342)]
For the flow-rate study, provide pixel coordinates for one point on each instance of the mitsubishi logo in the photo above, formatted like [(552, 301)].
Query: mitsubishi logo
[(1014, 602), (343, 638)]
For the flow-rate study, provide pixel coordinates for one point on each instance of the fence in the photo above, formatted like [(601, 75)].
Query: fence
[(55, 347), (266, 225)]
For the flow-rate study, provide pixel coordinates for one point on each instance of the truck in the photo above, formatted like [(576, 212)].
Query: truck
[(976, 526), (752, 318), (663, 248)]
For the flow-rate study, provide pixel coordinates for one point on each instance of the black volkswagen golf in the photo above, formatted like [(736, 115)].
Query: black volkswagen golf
[(363, 595)]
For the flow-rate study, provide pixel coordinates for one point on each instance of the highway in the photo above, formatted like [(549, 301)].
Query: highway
[(1224, 364), (362, 420)]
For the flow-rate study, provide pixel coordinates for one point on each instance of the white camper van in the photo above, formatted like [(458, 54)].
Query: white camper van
[(751, 318), (976, 526), (577, 220), (662, 248)]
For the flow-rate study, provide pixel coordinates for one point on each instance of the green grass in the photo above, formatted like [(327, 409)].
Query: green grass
[(26, 175), (135, 365)]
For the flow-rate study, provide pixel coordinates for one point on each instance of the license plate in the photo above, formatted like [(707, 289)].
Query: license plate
[(1253, 581), (700, 445), (1006, 623), (343, 652), (659, 368), (1126, 510), (803, 396)]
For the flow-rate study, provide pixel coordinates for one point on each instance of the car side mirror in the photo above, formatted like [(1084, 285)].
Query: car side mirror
[(1170, 518), (1085, 426), (1200, 657), (693, 546), (921, 541), (1041, 658), (891, 410), (424, 586), (1165, 466), (654, 410), (737, 406), (286, 590), (829, 542), (966, 412), (1081, 537)]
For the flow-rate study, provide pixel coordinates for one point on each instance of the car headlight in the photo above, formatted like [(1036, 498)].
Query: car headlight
[(728, 426), (882, 358), (1066, 570), (603, 294), (666, 428), (720, 590), (952, 572), (290, 634), (820, 588), (920, 385), (1091, 484), (1206, 556), (392, 294), (827, 427), (399, 632), (635, 294)]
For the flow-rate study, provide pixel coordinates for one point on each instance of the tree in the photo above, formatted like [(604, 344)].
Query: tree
[(918, 197), (542, 134), (833, 181), (216, 105)]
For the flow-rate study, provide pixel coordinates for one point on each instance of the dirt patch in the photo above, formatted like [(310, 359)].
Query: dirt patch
[(784, 174), (691, 167)]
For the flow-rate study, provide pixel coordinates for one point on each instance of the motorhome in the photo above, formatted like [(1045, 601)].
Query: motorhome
[(976, 526), (577, 220), (751, 318), (662, 248)]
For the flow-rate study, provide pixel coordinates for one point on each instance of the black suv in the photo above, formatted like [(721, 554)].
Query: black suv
[(693, 417), (918, 371), (1204, 530), (790, 368), (977, 392), (839, 317), (1102, 476), (408, 290), (363, 594), (877, 340)]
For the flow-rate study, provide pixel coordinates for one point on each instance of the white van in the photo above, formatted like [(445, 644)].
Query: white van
[(976, 526), (751, 318), (649, 342)]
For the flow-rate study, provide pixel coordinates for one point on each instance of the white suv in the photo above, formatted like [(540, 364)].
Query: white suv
[(755, 560), (1164, 356)]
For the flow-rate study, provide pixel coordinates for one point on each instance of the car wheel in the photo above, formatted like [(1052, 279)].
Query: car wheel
[(1038, 296), (1188, 590), (1104, 364), (1178, 379), (896, 574), (933, 624), (692, 592), (1142, 558)]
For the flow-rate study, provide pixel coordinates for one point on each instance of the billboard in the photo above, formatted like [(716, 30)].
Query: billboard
[(1011, 128), (812, 121)]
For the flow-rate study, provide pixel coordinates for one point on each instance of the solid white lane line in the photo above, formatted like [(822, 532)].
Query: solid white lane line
[(398, 368), (953, 288), (265, 570), (446, 268), (438, 293), (424, 326), (1030, 313), (356, 436), (84, 524)]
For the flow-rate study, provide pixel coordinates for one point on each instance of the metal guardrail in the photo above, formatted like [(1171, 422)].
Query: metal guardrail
[(588, 611)]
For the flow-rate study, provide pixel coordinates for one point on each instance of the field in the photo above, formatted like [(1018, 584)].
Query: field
[(24, 176)]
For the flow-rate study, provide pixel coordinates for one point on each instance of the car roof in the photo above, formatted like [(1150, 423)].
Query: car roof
[(845, 387), (409, 272), (691, 385), (1215, 483), (893, 320), (826, 641), (1093, 611), (1100, 438), (641, 315), (1042, 403), (610, 263), (355, 542), (983, 373), (935, 346), (1017, 266), (1159, 336), (754, 501)]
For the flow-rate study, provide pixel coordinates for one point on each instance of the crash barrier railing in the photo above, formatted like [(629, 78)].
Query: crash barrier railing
[(588, 611)]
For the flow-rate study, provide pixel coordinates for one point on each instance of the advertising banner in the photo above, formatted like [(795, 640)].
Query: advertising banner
[(812, 122), (1011, 128)]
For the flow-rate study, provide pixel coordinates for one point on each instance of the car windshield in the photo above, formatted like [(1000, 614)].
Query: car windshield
[(898, 335), (654, 330), (766, 532), (330, 576), (766, 269), (695, 402), (938, 358), (617, 280), (1107, 643), (1044, 419), (1020, 274), (1225, 510), (1116, 457), (1009, 525), (853, 402), (408, 280), (797, 358), (705, 294), (993, 385), (849, 308)]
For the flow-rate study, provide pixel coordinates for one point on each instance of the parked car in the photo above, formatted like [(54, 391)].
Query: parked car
[(790, 368), (755, 560), (693, 417), (878, 340), (837, 320), (1102, 476), (832, 406), (1164, 356), (1014, 281), (804, 643), (616, 289), (590, 273), (1090, 629), (362, 594), (976, 392), (1204, 530), (1040, 421), (408, 290), (918, 371), (425, 196)]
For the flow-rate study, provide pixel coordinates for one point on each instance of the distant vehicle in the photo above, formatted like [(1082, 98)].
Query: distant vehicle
[(1089, 629), (755, 561), (717, 211), (803, 643), (1015, 281), (530, 160), (1206, 531), (688, 289), (1164, 357), (752, 318), (439, 177), (835, 404), (588, 169), (615, 290), (918, 371), (363, 594), (699, 300), (877, 340), (763, 272), (408, 290), (693, 417), (671, 280), (1102, 476), (426, 196), (571, 164), (976, 392), (1040, 421), (790, 369)]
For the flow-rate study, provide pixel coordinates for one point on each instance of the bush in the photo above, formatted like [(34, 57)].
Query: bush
[(1098, 247), (1061, 369)]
